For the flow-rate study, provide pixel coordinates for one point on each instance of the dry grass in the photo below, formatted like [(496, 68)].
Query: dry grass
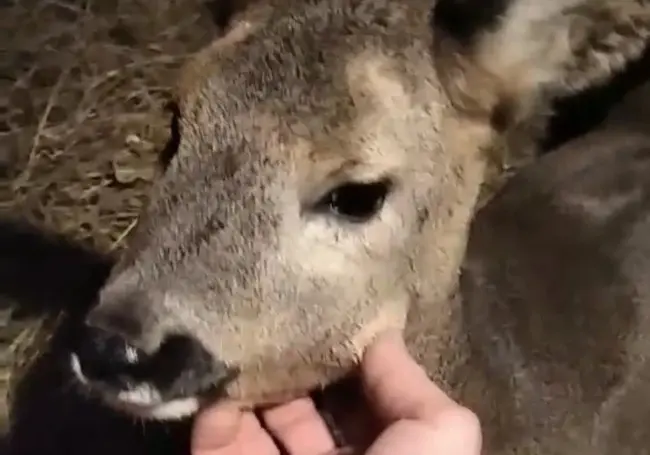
[(82, 87)]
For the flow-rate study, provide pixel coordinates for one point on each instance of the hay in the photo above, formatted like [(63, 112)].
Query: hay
[(82, 89)]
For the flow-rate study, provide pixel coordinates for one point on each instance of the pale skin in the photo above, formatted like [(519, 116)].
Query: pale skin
[(416, 416)]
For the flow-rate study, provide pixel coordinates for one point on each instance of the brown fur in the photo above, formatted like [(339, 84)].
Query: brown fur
[(302, 97), (256, 129), (354, 121)]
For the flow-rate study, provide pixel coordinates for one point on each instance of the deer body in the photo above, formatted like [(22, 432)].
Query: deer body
[(555, 303)]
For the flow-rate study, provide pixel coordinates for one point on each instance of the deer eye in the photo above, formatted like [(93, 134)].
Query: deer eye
[(356, 202)]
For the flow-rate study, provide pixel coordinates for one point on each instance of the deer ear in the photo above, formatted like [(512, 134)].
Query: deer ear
[(504, 57)]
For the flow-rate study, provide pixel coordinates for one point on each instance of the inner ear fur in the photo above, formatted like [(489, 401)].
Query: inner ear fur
[(507, 59)]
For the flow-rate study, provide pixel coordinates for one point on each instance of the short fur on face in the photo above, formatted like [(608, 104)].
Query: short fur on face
[(240, 246)]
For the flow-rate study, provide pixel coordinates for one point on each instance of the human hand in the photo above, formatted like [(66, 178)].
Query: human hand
[(418, 418)]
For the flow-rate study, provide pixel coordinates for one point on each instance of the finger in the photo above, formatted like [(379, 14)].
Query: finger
[(457, 432), (397, 387), (215, 427), (250, 438), (300, 428)]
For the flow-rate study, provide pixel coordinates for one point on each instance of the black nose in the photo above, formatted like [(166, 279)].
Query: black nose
[(180, 366), (105, 355)]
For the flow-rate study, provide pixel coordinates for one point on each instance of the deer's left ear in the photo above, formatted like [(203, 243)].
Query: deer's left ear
[(510, 54)]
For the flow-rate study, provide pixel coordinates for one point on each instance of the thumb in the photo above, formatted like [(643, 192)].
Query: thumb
[(456, 432), (420, 415), (397, 387)]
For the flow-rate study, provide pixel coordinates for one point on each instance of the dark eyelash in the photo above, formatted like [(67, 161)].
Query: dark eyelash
[(354, 201), (171, 148)]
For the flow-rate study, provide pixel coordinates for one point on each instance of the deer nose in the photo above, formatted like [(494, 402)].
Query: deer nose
[(106, 356)]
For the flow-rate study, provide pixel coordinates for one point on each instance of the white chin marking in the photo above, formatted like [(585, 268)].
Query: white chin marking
[(75, 365), (175, 409), (141, 395), (145, 401)]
